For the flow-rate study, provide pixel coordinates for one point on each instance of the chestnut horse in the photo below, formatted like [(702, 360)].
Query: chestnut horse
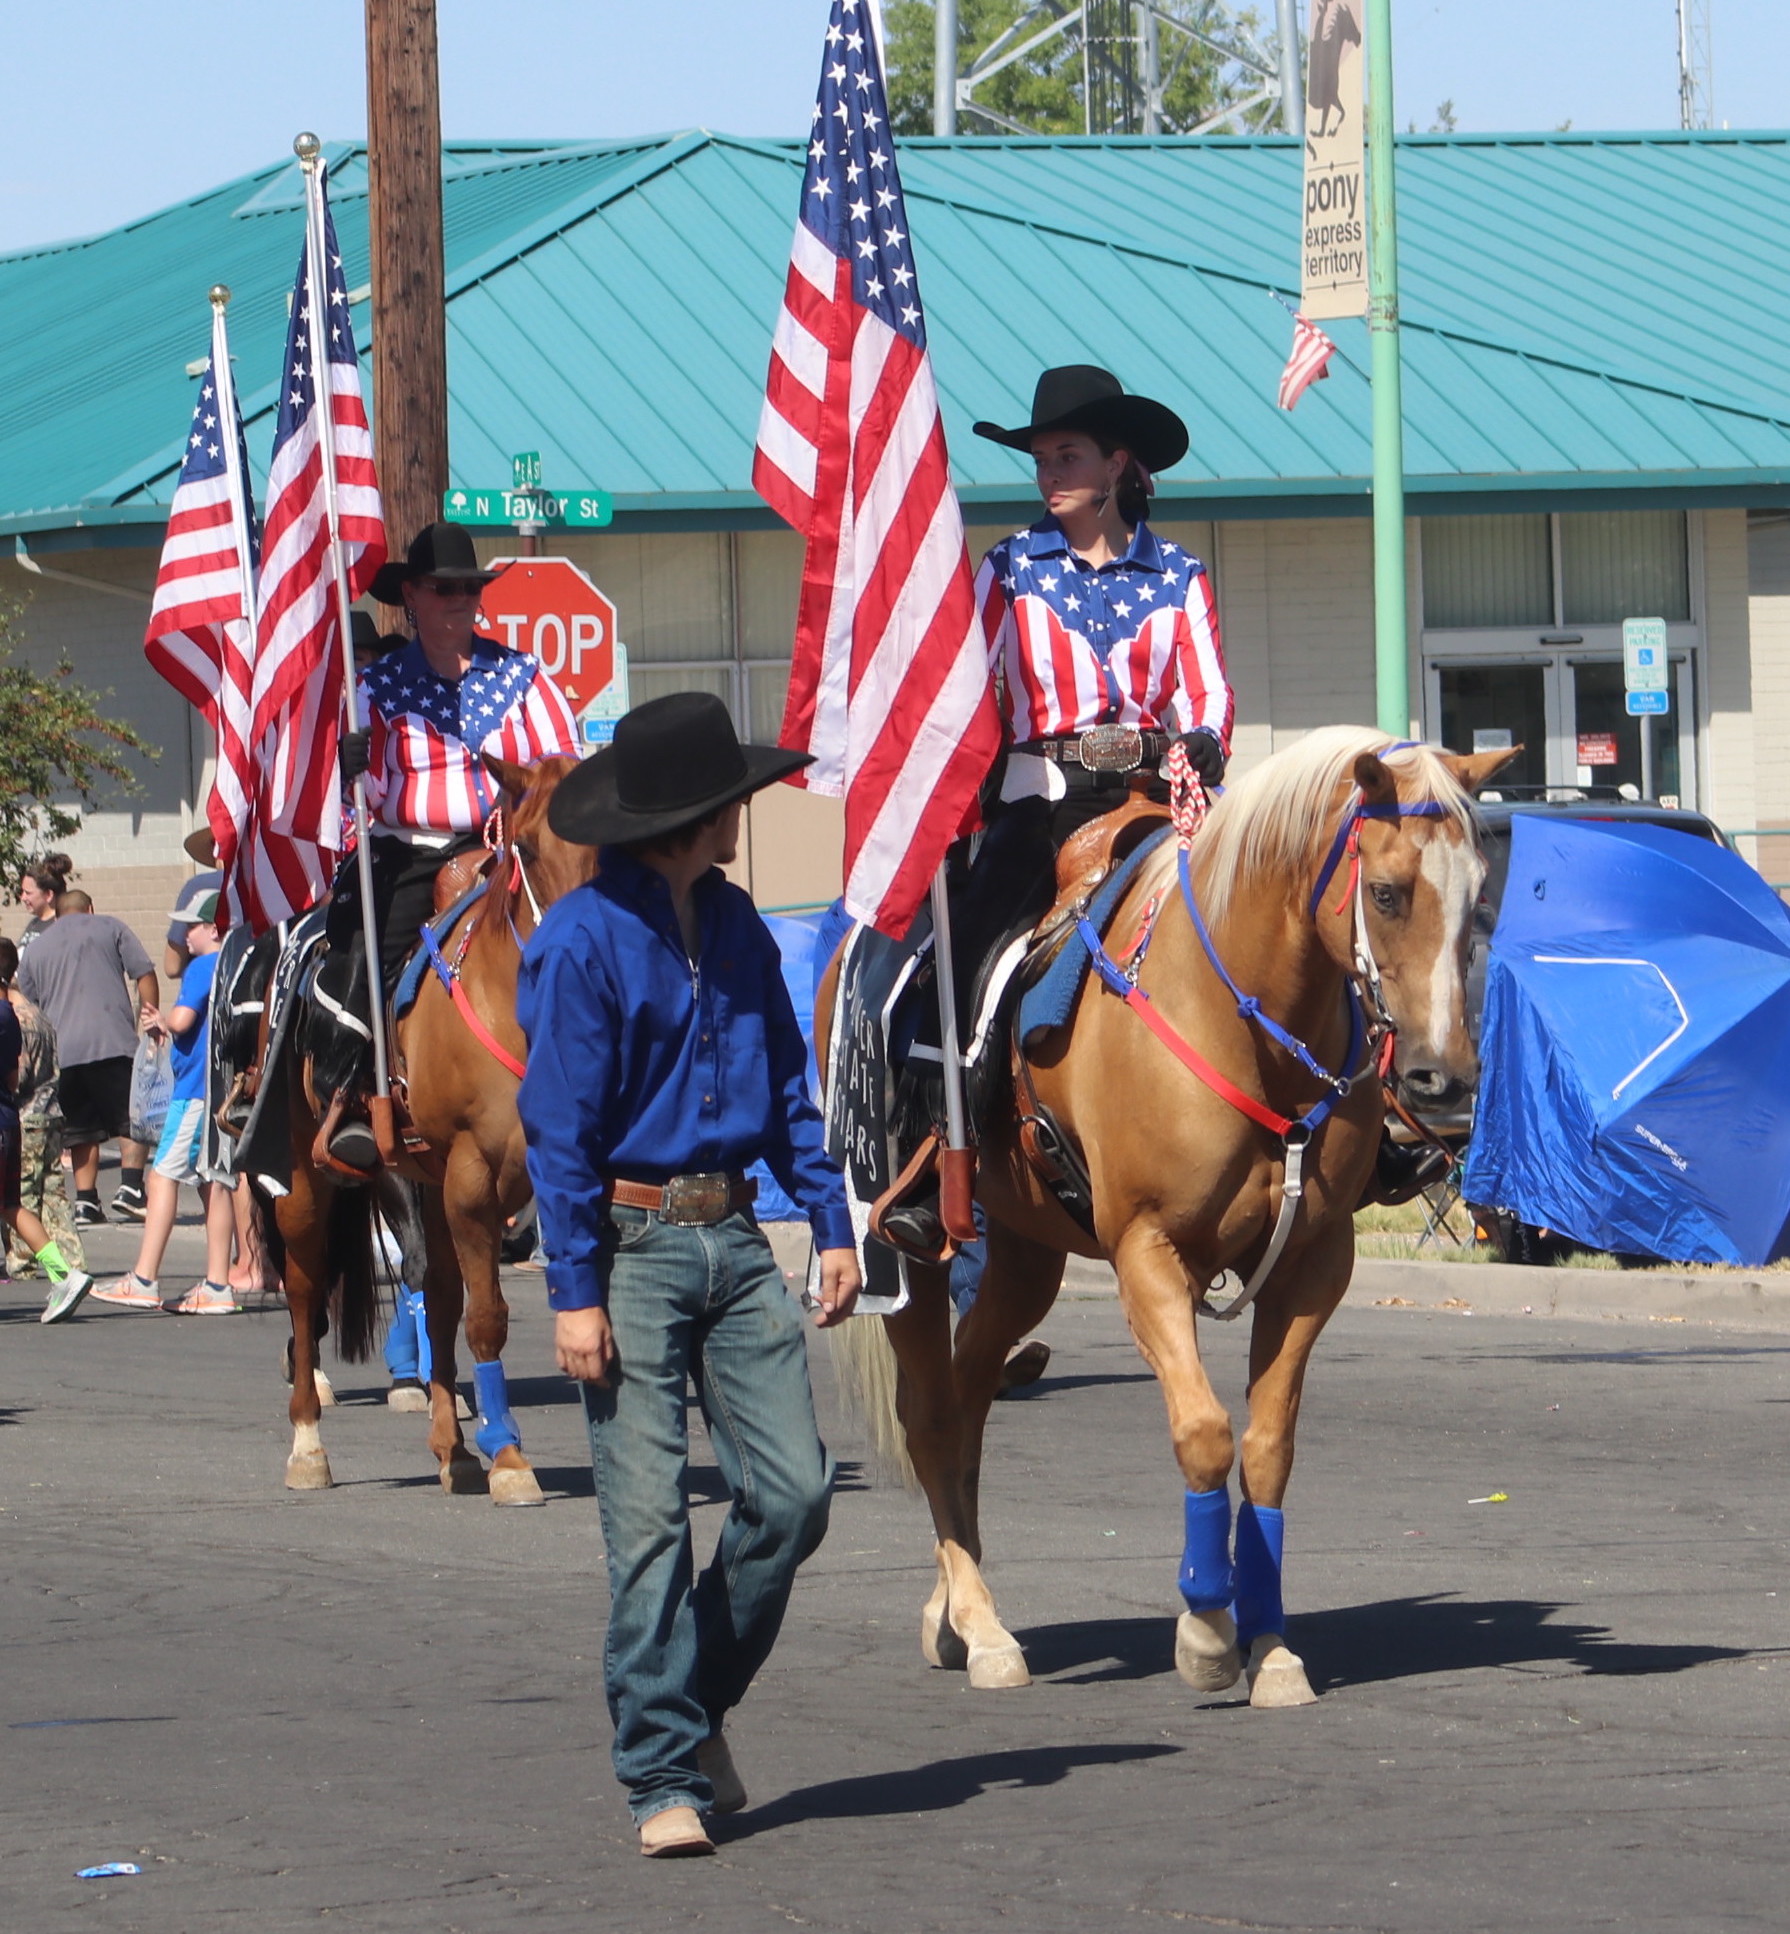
[(461, 1076), (1337, 882)]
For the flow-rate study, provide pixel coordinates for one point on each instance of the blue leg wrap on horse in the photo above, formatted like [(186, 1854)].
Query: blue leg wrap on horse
[(497, 1428), (1261, 1538), (1206, 1580), (419, 1319), (400, 1342)]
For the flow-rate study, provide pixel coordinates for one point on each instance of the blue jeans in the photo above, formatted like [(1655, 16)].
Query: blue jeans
[(707, 1304)]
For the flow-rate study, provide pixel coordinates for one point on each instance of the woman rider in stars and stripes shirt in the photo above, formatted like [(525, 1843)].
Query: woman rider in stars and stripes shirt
[(1092, 620), (431, 707)]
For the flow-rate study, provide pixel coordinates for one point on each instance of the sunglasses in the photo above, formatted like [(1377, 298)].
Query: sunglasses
[(453, 587)]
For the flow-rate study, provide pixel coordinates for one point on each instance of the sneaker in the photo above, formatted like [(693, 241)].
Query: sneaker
[(129, 1292), (204, 1299), (66, 1296), (89, 1215), (130, 1204)]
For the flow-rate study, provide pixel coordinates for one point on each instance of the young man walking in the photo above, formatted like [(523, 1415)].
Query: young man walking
[(664, 1058)]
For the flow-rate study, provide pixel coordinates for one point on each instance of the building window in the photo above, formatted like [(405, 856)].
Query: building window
[(1540, 571), (1480, 573)]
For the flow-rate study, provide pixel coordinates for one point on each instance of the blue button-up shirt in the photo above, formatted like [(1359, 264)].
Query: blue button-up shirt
[(645, 1064)]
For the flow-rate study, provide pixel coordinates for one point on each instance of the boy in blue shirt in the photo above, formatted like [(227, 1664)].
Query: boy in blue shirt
[(177, 1154)]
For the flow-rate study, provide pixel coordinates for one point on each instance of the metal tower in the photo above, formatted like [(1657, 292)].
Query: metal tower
[(1695, 109), (1131, 52)]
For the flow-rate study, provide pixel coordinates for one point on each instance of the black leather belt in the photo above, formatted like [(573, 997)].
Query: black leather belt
[(690, 1200), (1102, 748)]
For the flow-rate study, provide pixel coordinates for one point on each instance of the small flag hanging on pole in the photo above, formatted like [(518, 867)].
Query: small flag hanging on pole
[(1308, 363)]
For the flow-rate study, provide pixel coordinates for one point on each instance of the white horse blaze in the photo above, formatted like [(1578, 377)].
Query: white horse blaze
[(1455, 873)]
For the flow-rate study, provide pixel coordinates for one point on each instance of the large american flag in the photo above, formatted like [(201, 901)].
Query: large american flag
[(298, 672), (889, 688)]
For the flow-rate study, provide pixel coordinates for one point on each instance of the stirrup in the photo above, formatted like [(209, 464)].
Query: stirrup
[(340, 1144), (900, 1216)]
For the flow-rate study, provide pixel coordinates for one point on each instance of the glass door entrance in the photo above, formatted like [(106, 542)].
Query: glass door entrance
[(1607, 742), (1484, 708)]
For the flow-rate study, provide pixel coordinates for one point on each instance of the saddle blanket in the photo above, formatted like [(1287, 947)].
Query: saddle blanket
[(264, 1150), (410, 981), (1050, 1001)]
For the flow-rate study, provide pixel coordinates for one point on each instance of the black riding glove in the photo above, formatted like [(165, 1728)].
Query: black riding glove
[(1204, 754), (351, 755)]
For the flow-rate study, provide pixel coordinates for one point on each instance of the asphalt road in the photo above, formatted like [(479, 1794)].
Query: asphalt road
[(378, 1708)]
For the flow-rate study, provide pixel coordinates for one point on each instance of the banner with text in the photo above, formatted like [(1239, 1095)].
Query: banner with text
[(1333, 251)]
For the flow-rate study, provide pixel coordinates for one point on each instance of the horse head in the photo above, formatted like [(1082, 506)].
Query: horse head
[(547, 866), (1409, 929)]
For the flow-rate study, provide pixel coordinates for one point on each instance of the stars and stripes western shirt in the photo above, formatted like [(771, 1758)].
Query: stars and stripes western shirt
[(424, 780), (1130, 642)]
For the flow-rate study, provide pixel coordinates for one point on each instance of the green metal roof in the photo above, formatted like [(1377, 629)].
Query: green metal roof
[(1596, 317)]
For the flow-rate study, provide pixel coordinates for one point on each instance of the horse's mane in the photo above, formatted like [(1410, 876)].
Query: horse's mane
[(1269, 825)]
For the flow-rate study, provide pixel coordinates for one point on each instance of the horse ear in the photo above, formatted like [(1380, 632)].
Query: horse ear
[(1378, 787), (513, 778), (1476, 769)]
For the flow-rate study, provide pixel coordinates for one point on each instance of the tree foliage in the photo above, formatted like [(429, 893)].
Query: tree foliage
[(54, 740), (1044, 91)]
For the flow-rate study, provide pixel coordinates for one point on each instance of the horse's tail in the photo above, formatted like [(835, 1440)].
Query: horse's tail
[(864, 1364), (353, 1282)]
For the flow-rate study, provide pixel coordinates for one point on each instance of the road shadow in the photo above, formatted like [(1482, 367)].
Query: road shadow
[(935, 1787), (1048, 1386), (706, 1484), (1396, 1638)]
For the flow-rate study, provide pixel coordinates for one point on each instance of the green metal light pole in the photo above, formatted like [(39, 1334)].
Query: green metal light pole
[(1391, 677)]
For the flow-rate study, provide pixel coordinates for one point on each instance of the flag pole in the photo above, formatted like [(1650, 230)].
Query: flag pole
[(310, 152), (957, 1161), (1391, 674)]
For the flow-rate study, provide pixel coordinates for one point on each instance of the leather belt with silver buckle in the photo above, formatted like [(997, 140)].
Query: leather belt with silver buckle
[(691, 1201), (1102, 748)]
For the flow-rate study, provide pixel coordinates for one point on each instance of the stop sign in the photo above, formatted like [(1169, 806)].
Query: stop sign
[(546, 605)]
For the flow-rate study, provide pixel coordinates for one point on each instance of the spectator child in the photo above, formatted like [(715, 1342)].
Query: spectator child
[(177, 1154), (67, 1285), (40, 1127)]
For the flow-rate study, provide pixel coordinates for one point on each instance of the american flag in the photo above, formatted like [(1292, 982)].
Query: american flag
[(890, 686), (201, 626), (1307, 364), (298, 673)]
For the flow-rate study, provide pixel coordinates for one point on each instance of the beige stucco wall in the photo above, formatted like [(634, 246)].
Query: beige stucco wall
[(1727, 783), (1768, 629)]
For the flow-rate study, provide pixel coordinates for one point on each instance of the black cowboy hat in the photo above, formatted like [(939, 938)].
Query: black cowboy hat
[(674, 760), (1080, 397), (439, 550)]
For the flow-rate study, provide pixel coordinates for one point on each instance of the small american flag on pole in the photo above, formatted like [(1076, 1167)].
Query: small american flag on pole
[(298, 674), (889, 688), (1307, 364)]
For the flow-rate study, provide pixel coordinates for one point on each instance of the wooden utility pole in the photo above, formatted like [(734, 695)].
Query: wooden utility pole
[(409, 296)]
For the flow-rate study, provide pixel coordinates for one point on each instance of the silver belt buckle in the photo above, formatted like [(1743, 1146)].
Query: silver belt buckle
[(1112, 748), (697, 1201)]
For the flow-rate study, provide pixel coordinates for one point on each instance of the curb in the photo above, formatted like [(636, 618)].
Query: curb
[(1737, 1298)]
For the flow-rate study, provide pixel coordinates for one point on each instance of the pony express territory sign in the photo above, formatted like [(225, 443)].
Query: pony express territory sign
[(1333, 234), (547, 605)]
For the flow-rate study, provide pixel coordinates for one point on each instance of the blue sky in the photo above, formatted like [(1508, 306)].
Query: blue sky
[(113, 108)]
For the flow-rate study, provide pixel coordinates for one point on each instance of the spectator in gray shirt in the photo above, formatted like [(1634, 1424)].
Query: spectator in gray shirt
[(79, 970)]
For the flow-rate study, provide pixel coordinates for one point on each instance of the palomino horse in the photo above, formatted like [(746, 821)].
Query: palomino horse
[(461, 1051), (1337, 883)]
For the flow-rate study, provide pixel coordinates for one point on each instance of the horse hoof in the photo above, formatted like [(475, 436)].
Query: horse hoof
[(993, 1668), (1206, 1654), (940, 1645), (407, 1396), (1277, 1678), (462, 1409), (326, 1391), (463, 1476), (510, 1486), (308, 1471)]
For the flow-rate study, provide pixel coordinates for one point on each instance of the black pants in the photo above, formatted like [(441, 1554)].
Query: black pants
[(403, 899)]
